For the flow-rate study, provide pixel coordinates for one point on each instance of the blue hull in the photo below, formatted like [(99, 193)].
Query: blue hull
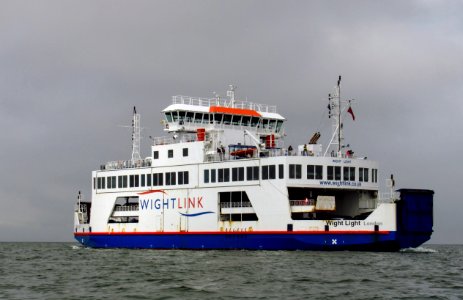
[(250, 241), (414, 227)]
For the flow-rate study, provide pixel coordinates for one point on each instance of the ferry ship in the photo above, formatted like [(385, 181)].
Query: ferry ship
[(223, 178)]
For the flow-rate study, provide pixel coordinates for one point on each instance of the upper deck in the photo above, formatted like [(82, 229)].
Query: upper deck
[(211, 102), (190, 112)]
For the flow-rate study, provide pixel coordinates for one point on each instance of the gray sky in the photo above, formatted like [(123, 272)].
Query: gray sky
[(71, 71)]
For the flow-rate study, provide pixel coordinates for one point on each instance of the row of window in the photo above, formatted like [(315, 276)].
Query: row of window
[(142, 180), (252, 173), (237, 120), (170, 153), (333, 173), (314, 172)]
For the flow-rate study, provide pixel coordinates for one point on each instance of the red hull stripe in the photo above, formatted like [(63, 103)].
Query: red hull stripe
[(232, 232)]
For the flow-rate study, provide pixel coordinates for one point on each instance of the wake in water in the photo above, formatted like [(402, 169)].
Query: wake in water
[(77, 247), (419, 250)]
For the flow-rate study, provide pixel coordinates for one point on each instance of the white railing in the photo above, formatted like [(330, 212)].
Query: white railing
[(208, 102), (388, 197), (126, 208), (235, 204), (305, 202), (167, 140), (126, 164)]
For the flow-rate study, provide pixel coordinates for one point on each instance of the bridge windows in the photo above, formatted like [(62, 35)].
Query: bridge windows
[(281, 171), (218, 118), (155, 154), (265, 123), (279, 125), (198, 118), (181, 117), (185, 152), (246, 121), (170, 153), (174, 116), (189, 116), (227, 119), (169, 117), (272, 124), (208, 119), (236, 120)]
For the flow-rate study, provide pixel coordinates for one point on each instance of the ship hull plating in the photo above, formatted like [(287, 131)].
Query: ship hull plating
[(378, 241)]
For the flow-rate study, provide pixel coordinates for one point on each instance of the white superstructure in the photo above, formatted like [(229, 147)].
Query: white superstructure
[(229, 153)]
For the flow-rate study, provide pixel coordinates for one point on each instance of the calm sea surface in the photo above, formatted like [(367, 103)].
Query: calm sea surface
[(68, 271)]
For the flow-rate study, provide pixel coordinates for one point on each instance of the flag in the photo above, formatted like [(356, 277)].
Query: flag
[(351, 113)]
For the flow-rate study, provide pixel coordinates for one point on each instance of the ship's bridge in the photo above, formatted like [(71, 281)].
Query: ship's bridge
[(187, 114)]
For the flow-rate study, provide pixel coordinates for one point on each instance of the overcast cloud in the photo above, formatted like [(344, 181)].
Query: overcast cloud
[(71, 71)]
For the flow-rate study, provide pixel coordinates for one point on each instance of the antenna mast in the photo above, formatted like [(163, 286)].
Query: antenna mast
[(335, 113), (136, 136), (338, 90), (231, 95)]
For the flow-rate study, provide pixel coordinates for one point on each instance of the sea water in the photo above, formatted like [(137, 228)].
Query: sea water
[(69, 271)]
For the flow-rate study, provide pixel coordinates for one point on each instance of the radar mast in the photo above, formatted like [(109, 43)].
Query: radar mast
[(136, 136)]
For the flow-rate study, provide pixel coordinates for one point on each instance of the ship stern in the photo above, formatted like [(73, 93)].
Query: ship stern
[(414, 217)]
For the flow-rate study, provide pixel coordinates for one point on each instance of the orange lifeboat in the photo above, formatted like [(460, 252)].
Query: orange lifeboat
[(243, 152)]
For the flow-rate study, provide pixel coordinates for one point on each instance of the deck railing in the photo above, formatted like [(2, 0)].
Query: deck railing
[(305, 202), (126, 164), (133, 207), (235, 204), (167, 140), (208, 102)]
